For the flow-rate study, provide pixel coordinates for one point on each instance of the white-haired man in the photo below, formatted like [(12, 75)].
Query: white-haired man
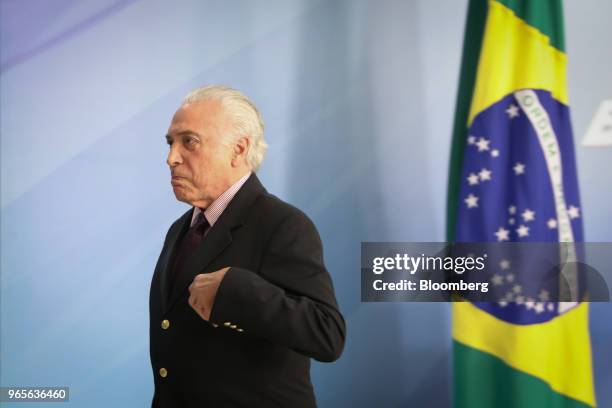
[(240, 298)]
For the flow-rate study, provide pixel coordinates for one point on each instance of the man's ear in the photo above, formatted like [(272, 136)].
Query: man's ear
[(241, 147)]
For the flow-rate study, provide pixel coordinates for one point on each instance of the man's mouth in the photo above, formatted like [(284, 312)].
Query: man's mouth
[(176, 180)]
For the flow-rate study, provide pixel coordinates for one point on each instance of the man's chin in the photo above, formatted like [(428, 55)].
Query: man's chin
[(179, 194)]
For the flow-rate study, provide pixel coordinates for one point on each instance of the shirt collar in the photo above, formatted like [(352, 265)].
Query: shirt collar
[(214, 210)]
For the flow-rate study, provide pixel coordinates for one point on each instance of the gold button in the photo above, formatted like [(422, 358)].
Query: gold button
[(165, 324), (233, 326), (163, 372), (215, 325), (227, 324), (240, 330)]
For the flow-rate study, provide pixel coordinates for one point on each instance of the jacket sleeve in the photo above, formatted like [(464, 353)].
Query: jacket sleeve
[(291, 301)]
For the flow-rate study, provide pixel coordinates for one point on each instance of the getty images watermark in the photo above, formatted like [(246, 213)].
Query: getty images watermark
[(491, 272), (413, 264)]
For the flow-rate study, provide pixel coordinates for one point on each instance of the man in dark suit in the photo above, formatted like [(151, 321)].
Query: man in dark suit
[(240, 298)]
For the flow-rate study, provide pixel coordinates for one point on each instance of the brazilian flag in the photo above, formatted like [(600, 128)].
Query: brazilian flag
[(513, 178)]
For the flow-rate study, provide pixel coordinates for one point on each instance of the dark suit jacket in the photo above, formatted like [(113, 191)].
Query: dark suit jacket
[(274, 310)]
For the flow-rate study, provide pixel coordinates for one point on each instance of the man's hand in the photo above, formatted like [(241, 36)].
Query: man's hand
[(203, 290)]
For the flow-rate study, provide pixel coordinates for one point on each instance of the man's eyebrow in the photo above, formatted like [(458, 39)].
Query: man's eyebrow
[(184, 133)]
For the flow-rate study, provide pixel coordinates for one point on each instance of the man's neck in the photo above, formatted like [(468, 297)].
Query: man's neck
[(231, 181), (237, 176), (214, 210)]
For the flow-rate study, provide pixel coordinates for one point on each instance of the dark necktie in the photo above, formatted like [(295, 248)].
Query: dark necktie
[(190, 242)]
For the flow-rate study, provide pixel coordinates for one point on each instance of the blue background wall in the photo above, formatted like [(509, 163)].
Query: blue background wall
[(358, 97)]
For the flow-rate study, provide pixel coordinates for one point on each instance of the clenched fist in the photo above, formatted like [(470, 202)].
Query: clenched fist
[(203, 290)]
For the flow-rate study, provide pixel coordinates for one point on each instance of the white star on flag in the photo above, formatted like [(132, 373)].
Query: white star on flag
[(511, 221), (504, 264), (517, 288), (485, 175), (510, 278), (539, 307), (529, 304), (573, 212), (471, 139), (483, 144), (519, 168), (544, 295), (552, 223), (512, 111), (522, 231), (512, 209), (520, 299), (502, 234), (494, 153), (472, 179), (528, 215), (471, 201)]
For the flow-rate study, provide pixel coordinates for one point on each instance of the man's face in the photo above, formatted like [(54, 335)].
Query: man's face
[(199, 161)]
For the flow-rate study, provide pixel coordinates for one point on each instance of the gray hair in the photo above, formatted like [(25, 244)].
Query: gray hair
[(247, 121)]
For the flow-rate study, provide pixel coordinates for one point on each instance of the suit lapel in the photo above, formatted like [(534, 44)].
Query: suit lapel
[(167, 257), (216, 240)]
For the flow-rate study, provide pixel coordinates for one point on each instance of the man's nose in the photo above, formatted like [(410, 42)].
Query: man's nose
[(174, 156)]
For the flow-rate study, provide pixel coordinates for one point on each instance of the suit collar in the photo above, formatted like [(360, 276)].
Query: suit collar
[(237, 210)]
